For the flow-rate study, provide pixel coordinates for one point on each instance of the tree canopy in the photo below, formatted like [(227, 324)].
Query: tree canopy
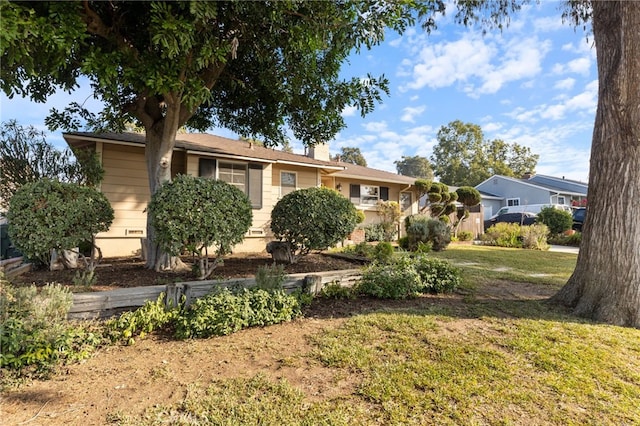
[(352, 156), (463, 157), (259, 69), (415, 166), (26, 157)]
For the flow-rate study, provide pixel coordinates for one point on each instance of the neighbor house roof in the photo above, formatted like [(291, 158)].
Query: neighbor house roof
[(548, 183)]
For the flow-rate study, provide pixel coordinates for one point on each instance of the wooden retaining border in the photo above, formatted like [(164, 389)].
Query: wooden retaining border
[(104, 304)]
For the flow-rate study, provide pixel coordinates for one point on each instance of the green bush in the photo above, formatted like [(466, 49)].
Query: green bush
[(436, 275), (192, 214), (48, 214), (35, 333), (153, 315), (407, 277), (566, 240), (535, 237), (270, 277), (225, 311), (403, 243), (465, 236), (374, 232), (383, 252), (516, 236), (361, 249), (503, 235), (556, 220), (336, 291), (423, 229), (395, 280), (312, 219)]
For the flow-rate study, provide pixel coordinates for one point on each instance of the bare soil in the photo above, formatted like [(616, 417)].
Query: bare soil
[(157, 371), (130, 271)]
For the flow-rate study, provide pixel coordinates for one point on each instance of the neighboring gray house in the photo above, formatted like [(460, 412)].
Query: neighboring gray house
[(500, 191)]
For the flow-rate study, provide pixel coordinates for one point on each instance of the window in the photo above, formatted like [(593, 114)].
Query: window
[(235, 174), (405, 201), (288, 183), (561, 199), (513, 202), (368, 195), (245, 177)]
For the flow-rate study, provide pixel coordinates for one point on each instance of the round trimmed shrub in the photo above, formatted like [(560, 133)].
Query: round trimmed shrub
[(556, 220), (194, 214), (312, 219), (48, 214), (437, 275)]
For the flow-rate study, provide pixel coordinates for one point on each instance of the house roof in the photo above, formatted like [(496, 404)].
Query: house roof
[(360, 172), (204, 143), (548, 183), (207, 144)]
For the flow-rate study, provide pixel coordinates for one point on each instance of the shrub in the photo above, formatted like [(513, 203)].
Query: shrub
[(361, 249), (336, 291), (48, 214), (403, 243), (513, 235), (312, 219), (390, 213), (556, 220), (153, 315), (383, 252), (436, 275), (465, 236), (395, 280), (192, 214), (34, 331), (566, 240), (503, 235), (225, 311), (423, 229), (535, 236), (407, 277), (270, 277), (374, 232)]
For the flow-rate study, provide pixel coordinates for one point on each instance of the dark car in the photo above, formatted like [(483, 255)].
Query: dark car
[(579, 215), (519, 218)]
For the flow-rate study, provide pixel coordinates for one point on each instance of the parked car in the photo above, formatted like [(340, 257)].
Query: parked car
[(579, 215), (525, 218)]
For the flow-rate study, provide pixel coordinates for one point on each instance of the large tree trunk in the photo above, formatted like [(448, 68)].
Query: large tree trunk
[(159, 144), (605, 285)]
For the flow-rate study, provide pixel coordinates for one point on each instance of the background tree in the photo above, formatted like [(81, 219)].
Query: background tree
[(352, 156), (165, 65), (25, 157), (415, 166), (463, 157), (195, 214)]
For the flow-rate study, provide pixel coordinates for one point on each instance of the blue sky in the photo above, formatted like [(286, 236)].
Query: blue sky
[(534, 84)]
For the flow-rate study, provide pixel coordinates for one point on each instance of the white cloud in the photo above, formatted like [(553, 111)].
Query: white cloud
[(481, 66), (566, 84), (548, 24), (410, 113), (580, 66), (375, 126), (349, 111)]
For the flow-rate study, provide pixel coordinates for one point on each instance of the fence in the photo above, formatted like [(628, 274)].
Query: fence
[(108, 303)]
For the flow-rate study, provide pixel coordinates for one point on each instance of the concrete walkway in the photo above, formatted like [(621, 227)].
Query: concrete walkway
[(564, 249)]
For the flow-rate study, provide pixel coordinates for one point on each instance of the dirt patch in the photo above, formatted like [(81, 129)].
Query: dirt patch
[(131, 272)]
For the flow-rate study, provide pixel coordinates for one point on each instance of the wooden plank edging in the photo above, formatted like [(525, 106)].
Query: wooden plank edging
[(106, 303)]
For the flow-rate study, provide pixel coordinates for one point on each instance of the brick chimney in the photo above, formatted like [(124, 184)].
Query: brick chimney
[(319, 151)]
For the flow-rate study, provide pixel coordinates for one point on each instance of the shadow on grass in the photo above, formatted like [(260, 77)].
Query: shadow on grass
[(499, 300)]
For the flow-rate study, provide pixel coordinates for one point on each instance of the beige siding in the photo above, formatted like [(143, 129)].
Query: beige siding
[(126, 186)]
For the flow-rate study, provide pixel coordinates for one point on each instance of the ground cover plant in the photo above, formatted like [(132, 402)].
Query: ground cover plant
[(496, 353)]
